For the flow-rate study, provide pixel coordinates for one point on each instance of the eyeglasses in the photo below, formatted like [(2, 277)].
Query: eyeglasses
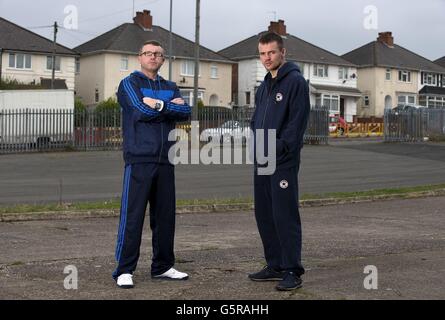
[(150, 54)]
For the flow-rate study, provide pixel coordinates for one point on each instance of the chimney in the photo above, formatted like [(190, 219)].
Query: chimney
[(278, 27), (144, 19), (386, 38)]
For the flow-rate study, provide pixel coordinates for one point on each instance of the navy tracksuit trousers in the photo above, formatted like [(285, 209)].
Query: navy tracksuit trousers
[(147, 183), (278, 218)]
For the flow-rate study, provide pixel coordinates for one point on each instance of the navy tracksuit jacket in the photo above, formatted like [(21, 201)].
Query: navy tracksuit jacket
[(148, 176), (282, 104)]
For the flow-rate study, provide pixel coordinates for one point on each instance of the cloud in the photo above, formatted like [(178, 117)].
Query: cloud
[(336, 25)]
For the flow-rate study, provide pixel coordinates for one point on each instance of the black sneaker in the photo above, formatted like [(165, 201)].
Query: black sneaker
[(267, 274), (290, 282)]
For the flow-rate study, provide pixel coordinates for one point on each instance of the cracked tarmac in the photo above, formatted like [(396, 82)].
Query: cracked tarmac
[(404, 239)]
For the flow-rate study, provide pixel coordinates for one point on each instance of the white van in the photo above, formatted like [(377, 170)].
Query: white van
[(36, 117)]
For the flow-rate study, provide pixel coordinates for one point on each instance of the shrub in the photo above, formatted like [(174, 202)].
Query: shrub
[(108, 113), (14, 84)]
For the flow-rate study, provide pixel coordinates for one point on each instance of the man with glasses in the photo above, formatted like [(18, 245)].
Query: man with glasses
[(150, 106)]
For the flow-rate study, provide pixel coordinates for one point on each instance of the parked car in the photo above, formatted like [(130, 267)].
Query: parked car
[(337, 124), (407, 107), (229, 131)]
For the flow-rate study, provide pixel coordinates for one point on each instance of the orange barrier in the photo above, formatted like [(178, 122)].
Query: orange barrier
[(358, 130)]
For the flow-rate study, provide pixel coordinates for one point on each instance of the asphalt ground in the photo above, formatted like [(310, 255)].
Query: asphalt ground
[(403, 239), (342, 166)]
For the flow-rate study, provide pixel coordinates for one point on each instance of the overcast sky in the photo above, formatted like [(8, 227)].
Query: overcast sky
[(335, 25)]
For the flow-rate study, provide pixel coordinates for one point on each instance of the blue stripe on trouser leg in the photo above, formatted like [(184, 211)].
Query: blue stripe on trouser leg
[(123, 215), (138, 187), (124, 208)]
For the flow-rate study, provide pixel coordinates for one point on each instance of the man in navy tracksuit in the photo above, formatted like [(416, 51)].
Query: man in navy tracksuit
[(150, 108), (282, 104)]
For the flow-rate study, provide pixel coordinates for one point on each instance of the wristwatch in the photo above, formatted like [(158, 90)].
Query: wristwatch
[(159, 105)]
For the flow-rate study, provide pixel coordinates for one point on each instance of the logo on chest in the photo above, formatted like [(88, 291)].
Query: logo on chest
[(279, 97)]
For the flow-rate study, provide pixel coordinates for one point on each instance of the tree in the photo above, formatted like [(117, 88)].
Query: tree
[(108, 113)]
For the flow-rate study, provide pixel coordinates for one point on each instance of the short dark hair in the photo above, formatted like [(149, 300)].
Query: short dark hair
[(269, 37), (152, 42)]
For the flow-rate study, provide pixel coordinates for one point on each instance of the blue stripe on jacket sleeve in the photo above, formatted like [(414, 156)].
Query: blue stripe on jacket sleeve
[(179, 108), (134, 100), (133, 97)]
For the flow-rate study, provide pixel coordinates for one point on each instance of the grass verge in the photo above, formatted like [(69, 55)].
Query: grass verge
[(114, 204)]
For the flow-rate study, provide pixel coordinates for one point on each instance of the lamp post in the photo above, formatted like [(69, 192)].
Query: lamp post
[(170, 44)]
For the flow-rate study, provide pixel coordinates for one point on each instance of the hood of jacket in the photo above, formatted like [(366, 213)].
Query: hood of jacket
[(283, 71), (141, 75)]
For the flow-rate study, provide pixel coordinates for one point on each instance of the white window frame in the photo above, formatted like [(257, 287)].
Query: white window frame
[(77, 65), (188, 68), (124, 63), (439, 102), (321, 70), (405, 76), (388, 72), (406, 99), (343, 73), (318, 100), (25, 56), (187, 95), (214, 71), (430, 79), (49, 59), (331, 98)]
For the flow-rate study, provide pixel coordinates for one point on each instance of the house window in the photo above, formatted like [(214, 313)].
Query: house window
[(20, 61), (96, 95), (49, 63), (214, 72), (406, 100), (366, 99), (430, 79), (331, 101), (248, 97), (404, 76), (318, 100), (188, 68), (436, 102), (124, 63), (388, 74), (321, 70), (187, 95), (343, 73), (432, 102), (77, 65)]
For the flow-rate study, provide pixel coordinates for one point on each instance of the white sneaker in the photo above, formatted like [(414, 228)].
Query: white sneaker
[(125, 281), (172, 274)]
